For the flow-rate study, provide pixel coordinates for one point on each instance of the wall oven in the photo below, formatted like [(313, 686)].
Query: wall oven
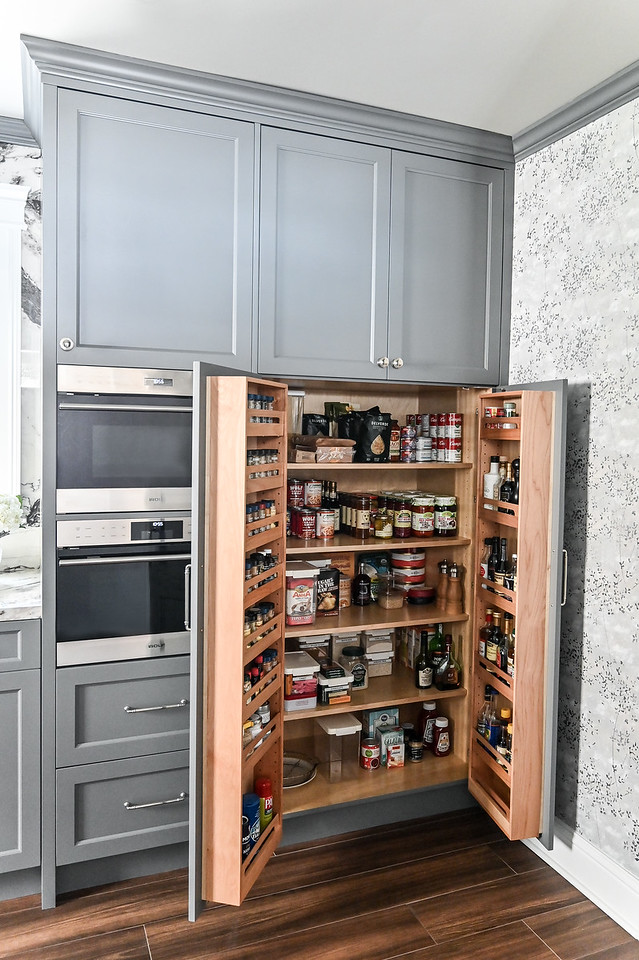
[(123, 439), (122, 589)]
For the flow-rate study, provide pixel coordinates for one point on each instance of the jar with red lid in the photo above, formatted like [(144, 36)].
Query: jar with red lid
[(441, 737), (402, 516), (423, 517)]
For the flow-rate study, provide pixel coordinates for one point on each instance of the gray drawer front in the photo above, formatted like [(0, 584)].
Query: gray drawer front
[(19, 645), (93, 724), (92, 818)]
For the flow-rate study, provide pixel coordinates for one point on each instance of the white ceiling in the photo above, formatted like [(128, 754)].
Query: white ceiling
[(499, 65)]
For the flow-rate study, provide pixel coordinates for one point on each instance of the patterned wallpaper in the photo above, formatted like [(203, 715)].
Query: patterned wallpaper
[(575, 316)]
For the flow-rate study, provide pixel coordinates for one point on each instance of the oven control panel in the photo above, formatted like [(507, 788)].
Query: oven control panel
[(89, 533)]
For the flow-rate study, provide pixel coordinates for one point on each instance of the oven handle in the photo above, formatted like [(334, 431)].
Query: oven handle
[(127, 407), (136, 559), (187, 597)]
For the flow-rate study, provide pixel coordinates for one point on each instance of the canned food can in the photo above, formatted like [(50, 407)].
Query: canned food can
[(453, 450), (441, 449), (432, 425), (415, 750), (294, 492), (325, 524), (306, 523), (312, 493), (369, 754)]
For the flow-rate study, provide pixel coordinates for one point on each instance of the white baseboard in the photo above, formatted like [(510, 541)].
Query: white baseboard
[(609, 886)]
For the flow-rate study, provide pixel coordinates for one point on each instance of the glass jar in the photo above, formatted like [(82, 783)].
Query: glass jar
[(402, 516), (352, 659), (423, 516), (361, 509), (446, 516), (383, 525)]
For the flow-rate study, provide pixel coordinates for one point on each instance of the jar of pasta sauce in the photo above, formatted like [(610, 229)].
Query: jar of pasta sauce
[(402, 516), (423, 517), (446, 516)]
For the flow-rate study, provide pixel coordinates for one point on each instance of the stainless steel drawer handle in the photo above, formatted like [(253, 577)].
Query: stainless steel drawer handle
[(155, 803), (564, 578), (163, 706), (187, 597), (122, 407), (134, 559)]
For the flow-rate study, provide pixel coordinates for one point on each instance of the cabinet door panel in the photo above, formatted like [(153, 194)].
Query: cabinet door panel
[(323, 256), (20, 768), (445, 270), (155, 223)]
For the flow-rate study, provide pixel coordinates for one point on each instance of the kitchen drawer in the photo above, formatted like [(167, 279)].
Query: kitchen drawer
[(111, 711), (19, 645), (106, 809)]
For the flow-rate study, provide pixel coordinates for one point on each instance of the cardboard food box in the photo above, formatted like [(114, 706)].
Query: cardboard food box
[(372, 719), (391, 738)]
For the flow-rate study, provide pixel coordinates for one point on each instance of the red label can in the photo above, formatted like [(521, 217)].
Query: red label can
[(369, 754), (453, 450), (294, 492)]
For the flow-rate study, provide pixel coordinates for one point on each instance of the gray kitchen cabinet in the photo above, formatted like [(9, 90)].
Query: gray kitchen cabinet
[(445, 298), (154, 234), (109, 711), (324, 235), (19, 745)]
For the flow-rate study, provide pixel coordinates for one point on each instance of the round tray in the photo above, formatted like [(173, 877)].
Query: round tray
[(298, 769)]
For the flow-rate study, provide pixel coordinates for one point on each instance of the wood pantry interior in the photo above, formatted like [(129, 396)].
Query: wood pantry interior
[(512, 795)]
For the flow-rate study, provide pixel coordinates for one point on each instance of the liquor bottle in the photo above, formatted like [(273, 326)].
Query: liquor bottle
[(510, 580), (507, 490), (510, 665), (483, 720), (448, 672), (502, 742), (502, 652), (493, 559), (502, 475), (501, 567), (361, 587), (333, 503), (483, 563), (515, 468), (423, 665), (495, 639), (436, 648), (493, 730), (485, 633), (491, 481)]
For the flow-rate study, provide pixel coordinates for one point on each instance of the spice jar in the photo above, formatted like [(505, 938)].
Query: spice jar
[(441, 739), (423, 516), (352, 659)]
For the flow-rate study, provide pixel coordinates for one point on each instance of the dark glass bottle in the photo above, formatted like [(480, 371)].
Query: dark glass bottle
[(502, 652), (515, 468), (361, 587), (485, 633), (436, 647), (501, 567), (423, 665), (507, 490), (494, 641), (493, 559), (448, 671), (483, 720)]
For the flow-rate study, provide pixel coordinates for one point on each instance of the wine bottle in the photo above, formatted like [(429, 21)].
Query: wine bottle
[(423, 665), (502, 652), (361, 587), (436, 647), (501, 567), (494, 641), (493, 559), (507, 490), (448, 671), (515, 468)]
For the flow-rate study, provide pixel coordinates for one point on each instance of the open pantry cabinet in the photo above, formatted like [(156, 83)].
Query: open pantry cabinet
[(519, 794)]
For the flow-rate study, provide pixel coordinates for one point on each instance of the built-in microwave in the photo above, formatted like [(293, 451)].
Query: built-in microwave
[(123, 439)]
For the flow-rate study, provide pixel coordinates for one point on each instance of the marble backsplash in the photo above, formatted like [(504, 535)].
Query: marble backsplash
[(21, 550), (575, 315)]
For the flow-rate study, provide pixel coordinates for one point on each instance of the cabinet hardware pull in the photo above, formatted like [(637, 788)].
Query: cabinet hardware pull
[(66, 344), (564, 578), (187, 597), (124, 407), (397, 363), (155, 803), (135, 559), (382, 362), (163, 706)]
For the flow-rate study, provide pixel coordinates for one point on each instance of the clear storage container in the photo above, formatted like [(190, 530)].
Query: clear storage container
[(337, 743)]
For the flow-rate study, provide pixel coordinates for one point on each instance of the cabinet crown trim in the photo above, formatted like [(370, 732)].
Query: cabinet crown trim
[(64, 64)]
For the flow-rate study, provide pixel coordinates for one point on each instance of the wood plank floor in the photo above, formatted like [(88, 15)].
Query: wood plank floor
[(447, 888)]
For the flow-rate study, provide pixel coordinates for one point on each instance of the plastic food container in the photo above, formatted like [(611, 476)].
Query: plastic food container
[(334, 689), (301, 593), (300, 681), (379, 664), (337, 742)]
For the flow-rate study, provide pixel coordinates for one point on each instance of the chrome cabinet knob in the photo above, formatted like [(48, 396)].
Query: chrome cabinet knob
[(382, 362), (66, 343), (397, 363)]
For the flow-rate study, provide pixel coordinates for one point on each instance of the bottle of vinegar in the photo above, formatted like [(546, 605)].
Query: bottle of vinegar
[(423, 665)]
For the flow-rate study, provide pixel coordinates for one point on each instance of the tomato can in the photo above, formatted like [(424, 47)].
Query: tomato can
[(369, 754)]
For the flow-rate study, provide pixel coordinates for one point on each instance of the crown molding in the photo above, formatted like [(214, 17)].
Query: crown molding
[(64, 64), (13, 130), (596, 102)]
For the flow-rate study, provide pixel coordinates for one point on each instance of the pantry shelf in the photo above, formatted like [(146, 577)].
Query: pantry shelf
[(342, 541), (294, 468), (396, 689), (375, 617)]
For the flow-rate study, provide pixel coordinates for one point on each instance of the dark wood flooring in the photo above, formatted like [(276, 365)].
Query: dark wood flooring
[(447, 888)]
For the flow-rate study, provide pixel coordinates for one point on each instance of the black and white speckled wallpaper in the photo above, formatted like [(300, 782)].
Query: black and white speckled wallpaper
[(575, 314)]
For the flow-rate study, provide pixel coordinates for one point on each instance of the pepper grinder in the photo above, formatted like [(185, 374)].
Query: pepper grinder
[(442, 585), (454, 604)]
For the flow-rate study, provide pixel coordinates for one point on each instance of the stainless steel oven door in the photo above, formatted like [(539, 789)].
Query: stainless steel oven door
[(122, 604), (123, 451)]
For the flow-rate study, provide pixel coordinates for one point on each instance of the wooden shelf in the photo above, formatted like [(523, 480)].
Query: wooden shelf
[(343, 542), (505, 600), (294, 468), (393, 690), (358, 784), (374, 617), (492, 514)]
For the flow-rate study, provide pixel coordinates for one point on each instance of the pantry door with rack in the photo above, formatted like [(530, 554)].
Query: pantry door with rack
[(518, 789), (223, 767)]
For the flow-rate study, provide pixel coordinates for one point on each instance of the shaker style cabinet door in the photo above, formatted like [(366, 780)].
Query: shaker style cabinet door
[(324, 222), (155, 234), (20, 770), (445, 296)]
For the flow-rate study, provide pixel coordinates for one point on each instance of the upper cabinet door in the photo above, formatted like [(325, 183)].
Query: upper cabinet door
[(445, 270), (324, 233), (155, 233)]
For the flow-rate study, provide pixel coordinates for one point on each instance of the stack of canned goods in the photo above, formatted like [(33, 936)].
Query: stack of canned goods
[(431, 437)]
